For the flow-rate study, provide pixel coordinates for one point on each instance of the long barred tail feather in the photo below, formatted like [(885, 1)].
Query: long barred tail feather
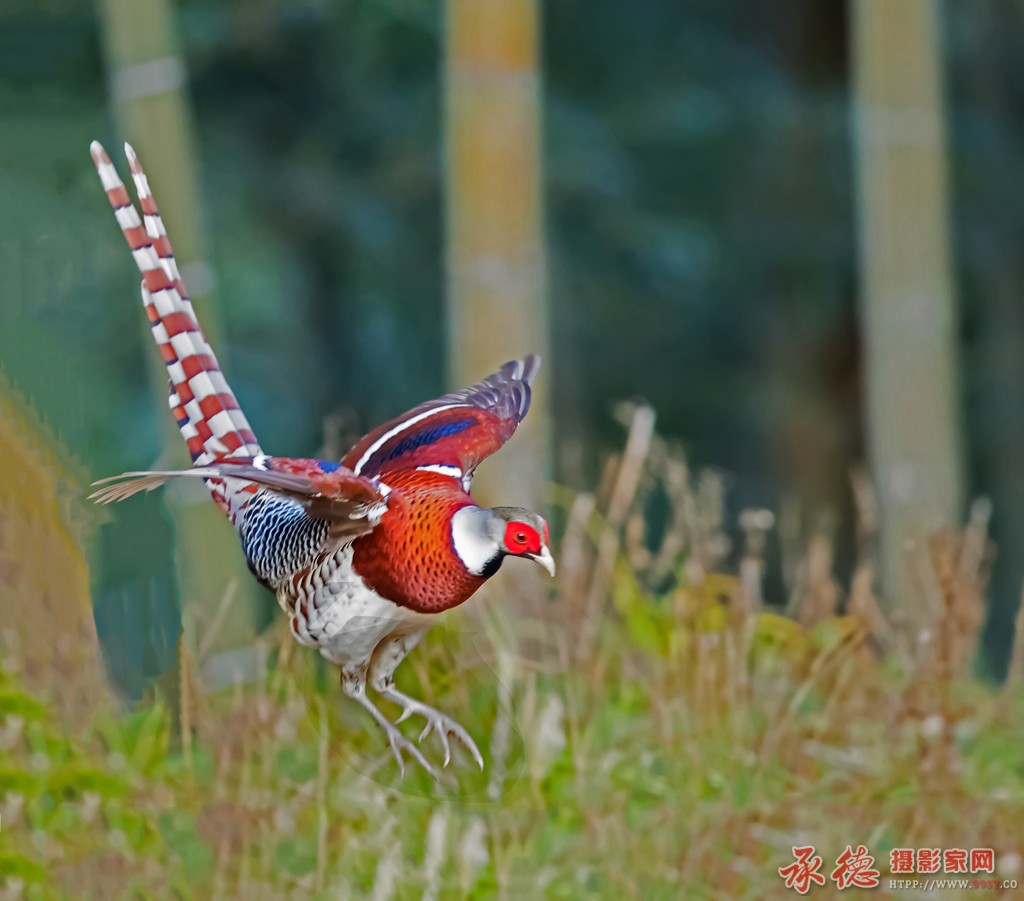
[(203, 404)]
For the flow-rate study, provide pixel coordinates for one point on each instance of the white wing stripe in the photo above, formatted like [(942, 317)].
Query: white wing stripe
[(442, 469), (397, 430)]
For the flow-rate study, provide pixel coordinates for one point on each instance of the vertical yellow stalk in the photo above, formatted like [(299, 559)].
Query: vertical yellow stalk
[(907, 300), (495, 253)]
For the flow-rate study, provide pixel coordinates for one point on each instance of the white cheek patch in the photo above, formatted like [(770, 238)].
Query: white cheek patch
[(469, 537)]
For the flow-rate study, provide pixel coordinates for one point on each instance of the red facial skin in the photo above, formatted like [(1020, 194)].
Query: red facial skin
[(409, 557), (521, 538)]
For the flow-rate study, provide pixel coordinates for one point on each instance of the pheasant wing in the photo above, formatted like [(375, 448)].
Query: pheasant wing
[(453, 433), (352, 503)]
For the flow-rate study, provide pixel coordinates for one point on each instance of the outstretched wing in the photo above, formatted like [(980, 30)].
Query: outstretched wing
[(352, 503), (452, 434)]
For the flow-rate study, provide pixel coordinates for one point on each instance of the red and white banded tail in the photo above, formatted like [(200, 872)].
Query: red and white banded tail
[(201, 400)]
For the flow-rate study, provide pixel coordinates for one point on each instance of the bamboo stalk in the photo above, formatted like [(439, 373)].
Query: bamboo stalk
[(495, 253), (907, 301)]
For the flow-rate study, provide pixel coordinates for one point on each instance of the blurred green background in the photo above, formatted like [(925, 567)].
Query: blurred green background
[(790, 228), (699, 188)]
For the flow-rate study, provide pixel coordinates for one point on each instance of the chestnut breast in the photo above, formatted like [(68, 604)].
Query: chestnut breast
[(409, 557)]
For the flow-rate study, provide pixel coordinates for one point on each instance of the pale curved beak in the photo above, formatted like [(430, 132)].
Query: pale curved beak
[(545, 559)]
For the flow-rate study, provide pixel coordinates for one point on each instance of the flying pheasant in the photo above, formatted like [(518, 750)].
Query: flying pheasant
[(362, 554)]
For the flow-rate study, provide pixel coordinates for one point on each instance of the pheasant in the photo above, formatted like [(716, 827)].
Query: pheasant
[(362, 554)]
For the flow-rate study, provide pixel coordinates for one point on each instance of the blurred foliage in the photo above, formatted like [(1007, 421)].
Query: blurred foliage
[(654, 732), (319, 128), (985, 53), (701, 221), (700, 217), (682, 758)]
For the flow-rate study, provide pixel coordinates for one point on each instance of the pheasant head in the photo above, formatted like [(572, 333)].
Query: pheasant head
[(485, 536)]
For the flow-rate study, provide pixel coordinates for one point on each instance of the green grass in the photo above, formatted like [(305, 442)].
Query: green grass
[(651, 732), (654, 768)]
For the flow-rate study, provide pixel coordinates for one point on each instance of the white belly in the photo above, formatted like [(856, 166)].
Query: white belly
[(333, 609)]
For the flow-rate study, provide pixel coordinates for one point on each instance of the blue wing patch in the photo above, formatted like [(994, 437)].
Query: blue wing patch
[(413, 442)]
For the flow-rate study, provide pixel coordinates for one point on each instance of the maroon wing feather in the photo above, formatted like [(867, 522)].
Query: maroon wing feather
[(327, 490), (457, 430)]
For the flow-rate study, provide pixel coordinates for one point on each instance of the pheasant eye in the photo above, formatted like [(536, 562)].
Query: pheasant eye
[(521, 538)]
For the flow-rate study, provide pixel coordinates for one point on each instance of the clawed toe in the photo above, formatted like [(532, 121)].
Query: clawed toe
[(400, 743), (437, 722), (443, 726), (444, 741)]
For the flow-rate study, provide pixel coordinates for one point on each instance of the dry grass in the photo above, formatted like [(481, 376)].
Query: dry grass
[(666, 735)]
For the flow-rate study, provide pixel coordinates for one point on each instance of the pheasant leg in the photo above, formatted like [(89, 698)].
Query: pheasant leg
[(391, 652), (354, 686)]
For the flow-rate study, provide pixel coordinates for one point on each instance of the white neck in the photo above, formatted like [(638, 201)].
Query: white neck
[(473, 538)]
